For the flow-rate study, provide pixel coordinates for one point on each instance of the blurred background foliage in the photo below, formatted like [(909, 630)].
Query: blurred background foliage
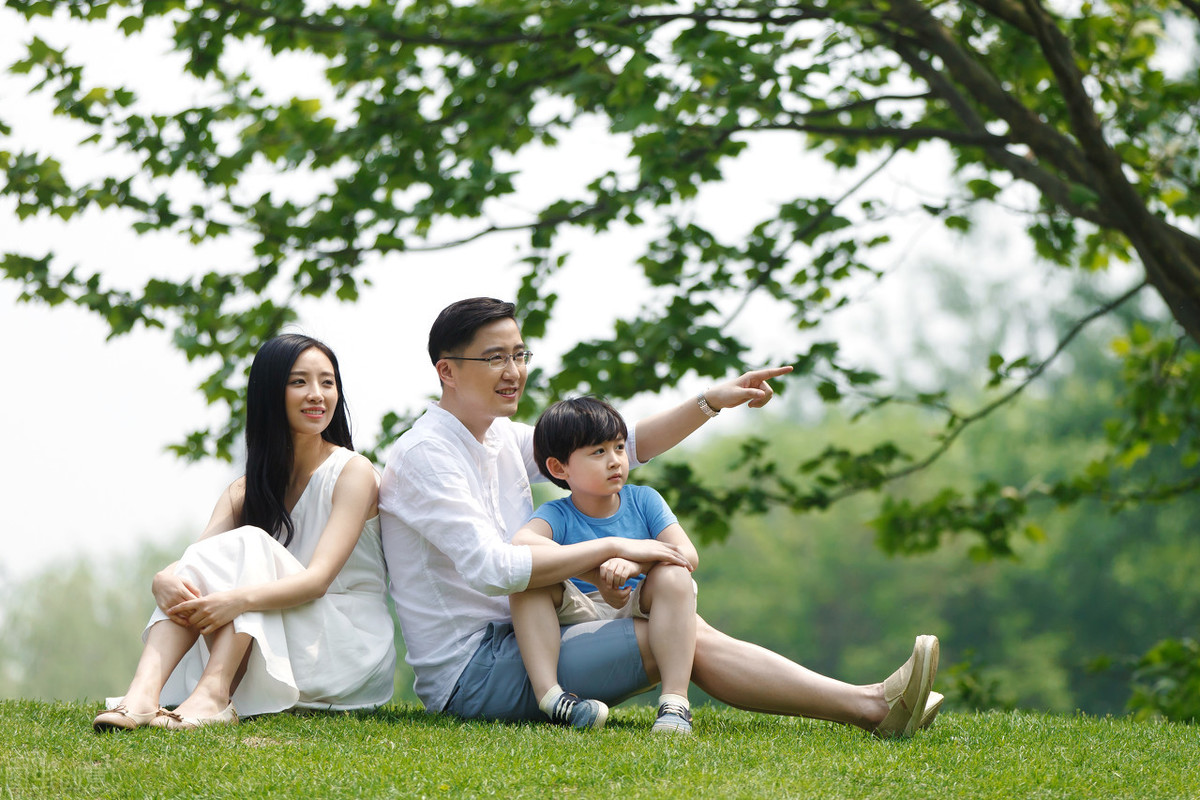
[(1035, 464), (1070, 619)]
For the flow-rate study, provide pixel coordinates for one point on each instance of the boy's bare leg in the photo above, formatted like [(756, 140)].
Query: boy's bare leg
[(535, 623), (670, 599)]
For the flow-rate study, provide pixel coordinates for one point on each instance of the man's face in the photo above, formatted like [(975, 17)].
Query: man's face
[(487, 391)]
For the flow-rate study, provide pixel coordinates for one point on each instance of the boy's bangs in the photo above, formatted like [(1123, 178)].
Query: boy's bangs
[(602, 425)]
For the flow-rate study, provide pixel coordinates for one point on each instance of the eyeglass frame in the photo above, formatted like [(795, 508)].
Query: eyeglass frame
[(500, 360)]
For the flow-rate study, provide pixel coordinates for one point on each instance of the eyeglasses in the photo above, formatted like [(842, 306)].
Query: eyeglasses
[(500, 360)]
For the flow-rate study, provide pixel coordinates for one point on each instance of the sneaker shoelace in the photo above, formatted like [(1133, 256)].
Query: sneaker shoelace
[(676, 709), (563, 707)]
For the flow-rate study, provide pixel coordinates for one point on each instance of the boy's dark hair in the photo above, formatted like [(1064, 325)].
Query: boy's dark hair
[(568, 425), (456, 326)]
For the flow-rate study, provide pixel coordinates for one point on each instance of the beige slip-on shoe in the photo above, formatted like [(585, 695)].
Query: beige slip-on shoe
[(906, 690), (932, 706), (121, 718), (174, 722)]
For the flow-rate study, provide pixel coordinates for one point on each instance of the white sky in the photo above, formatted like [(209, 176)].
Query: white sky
[(88, 474)]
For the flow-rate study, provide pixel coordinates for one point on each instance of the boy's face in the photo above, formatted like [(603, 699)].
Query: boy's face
[(598, 470), (491, 392)]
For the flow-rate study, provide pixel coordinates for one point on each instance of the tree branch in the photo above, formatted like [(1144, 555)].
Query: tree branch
[(1165, 260), (869, 102), (969, 419), (985, 89), (1055, 189), (983, 139), (1149, 495), (807, 229), (313, 25)]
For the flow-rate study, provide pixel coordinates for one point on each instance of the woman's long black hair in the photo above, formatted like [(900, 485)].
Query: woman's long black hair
[(269, 455)]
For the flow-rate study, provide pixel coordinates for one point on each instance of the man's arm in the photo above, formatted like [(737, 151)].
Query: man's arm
[(675, 534), (554, 563), (660, 432)]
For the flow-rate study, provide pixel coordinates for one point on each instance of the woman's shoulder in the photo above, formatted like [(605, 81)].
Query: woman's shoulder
[(355, 468), (235, 492)]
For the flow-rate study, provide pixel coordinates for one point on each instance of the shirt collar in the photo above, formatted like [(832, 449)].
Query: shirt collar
[(454, 426)]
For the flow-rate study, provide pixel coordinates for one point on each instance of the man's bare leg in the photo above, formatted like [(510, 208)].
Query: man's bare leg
[(753, 678)]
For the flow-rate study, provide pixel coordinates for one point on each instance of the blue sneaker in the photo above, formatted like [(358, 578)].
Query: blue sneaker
[(673, 718), (570, 710)]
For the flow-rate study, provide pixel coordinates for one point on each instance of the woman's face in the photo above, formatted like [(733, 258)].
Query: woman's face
[(311, 394)]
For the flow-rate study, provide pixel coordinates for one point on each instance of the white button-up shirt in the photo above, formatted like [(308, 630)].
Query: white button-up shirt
[(449, 506)]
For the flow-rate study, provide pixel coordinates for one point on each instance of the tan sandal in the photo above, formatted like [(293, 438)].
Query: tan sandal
[(121, 718), (175, 722)]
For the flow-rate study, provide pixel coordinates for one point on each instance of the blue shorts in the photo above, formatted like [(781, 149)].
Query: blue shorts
[(598, 660)]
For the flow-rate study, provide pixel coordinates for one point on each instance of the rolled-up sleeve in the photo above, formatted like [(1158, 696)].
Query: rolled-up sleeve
[(631, 449)]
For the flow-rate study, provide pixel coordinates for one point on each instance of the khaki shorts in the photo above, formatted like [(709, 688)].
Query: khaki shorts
[(578, 606)]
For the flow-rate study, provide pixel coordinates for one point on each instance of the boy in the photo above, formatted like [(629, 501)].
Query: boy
[(579, 444)]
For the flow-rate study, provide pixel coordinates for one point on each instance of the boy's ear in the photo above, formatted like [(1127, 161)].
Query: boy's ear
[(556, 468)]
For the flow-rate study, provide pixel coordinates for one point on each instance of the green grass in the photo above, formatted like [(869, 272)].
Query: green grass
[(48, 750)]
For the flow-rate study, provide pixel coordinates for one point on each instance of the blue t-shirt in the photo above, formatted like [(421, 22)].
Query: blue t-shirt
[(643, 515)]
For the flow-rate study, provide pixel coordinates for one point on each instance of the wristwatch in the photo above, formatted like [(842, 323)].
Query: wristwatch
[(708, 410)]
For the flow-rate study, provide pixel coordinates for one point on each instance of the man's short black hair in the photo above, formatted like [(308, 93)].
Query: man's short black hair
[(458, 323), (568, 425)]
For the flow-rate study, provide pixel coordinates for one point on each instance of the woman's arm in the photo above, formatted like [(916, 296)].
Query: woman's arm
[(355, 499), (660, 432)]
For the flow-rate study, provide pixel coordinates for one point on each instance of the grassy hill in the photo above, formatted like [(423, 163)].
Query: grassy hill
[(49, 751)]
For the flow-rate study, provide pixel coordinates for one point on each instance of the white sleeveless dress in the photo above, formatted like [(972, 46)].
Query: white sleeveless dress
[(335, 652)]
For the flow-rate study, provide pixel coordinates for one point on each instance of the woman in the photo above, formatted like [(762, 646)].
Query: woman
[(286, 584)]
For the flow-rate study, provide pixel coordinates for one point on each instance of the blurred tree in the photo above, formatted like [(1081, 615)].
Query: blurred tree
[(72, 632), (1078, 118), (1059, 624)]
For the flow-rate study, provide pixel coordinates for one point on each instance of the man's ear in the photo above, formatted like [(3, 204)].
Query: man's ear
[(445, 371), (556, 468)]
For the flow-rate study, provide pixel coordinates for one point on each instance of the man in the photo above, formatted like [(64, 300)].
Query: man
[(456, 488)]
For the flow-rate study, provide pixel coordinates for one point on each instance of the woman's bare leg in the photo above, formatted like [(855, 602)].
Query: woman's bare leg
[(227, 650), (166, 644)]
